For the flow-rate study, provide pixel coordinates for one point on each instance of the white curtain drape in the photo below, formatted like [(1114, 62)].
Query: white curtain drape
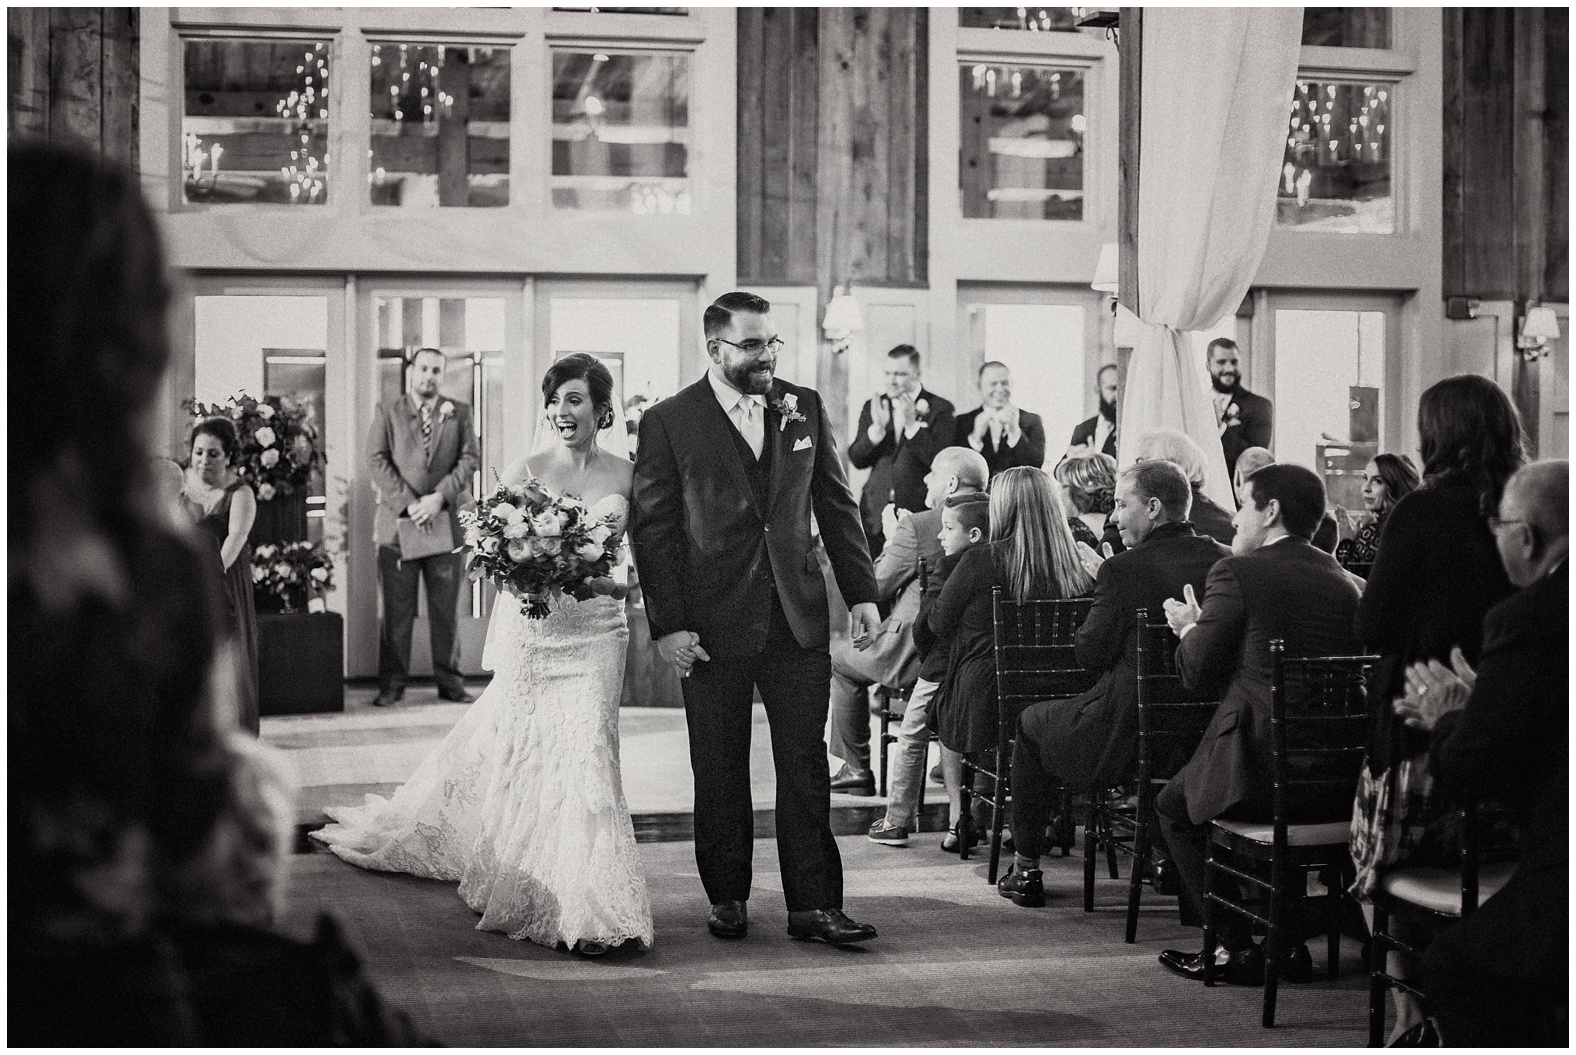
[(1217, 89)]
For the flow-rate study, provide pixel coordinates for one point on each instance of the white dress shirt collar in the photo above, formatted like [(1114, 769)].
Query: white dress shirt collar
[(730, 397)]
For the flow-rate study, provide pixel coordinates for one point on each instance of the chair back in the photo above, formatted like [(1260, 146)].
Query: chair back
[(1033, 649), (1319, 728), (1171, 721), (1359, 569)]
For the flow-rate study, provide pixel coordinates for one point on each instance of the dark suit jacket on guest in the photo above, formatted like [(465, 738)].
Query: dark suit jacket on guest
[(1029, 450), (1083, 435), (898, 463), (1288, 590), (1512, 743), (1094, 737), (1256, 424), (710, 549), (402, 471), (1207, 518)]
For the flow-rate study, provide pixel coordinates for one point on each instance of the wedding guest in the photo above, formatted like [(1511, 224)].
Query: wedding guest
[(1088, 480), (900, 430), (1093, 738), (115, 758), (1275, 585), (221, 503), (1178, 448), (997, 428), (1251, 461), (1243, 418), (965, 523), (1031, 555), (1435, 576), (1387, 479), (1499, 978), (892, 659), (1098, 433), (422, 451)]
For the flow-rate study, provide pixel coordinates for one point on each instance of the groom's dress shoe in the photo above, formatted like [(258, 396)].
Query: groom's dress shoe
[(828, 925), (729, 919), (1243, 967)]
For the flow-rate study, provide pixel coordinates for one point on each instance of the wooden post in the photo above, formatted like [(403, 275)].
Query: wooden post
[(453, 131), (1130, 42)]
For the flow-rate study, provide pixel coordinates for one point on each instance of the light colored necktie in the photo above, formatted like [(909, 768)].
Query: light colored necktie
[(746, 415), (426, 429)]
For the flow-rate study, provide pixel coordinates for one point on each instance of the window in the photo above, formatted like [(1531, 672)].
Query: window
[(1346, 27), (1021, 142), (1337, 171), (1033, 19), (628, 10), (621, 131), (440, 126), (255, 122)]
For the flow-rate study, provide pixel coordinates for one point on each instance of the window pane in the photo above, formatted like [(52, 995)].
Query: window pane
[(1022, 142), (1346, 27), (1319, 356), (1034, 19), (621, 131), (1336, 176), (628, 10), (255, 122), (440, 126)]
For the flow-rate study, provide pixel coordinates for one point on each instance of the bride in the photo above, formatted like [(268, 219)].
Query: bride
[(523, 802)]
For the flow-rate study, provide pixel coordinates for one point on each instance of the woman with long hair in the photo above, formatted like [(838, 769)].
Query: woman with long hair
[(1435, 575), (1387, 479), (1031, 555)]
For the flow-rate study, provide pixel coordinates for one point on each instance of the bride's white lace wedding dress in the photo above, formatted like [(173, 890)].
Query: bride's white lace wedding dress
[(523, 802)]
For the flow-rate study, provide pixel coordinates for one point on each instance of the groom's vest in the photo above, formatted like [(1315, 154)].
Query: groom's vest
[(759, 470)]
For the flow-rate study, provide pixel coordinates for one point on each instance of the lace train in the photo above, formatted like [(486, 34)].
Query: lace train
[(522, 802)]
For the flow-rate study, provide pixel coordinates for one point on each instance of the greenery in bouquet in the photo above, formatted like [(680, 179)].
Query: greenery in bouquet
[(279, 442), (291, 576), (536, 544)]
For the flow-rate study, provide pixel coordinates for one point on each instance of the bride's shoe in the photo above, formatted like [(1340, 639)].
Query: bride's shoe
[(590, 948)]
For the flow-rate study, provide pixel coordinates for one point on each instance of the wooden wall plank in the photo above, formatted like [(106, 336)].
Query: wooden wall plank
[(1488, 219), (776, 147), (1130, 41), (804, 100), (1556, 155), (1453, 279), (27, 40), (76, 96), (122, 53), (921, 240), (899, 191), (869, 146), (1526, 131), (751, 133)]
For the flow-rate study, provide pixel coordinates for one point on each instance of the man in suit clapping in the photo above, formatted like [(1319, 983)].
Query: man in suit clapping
[(999, 430), (900, 430)]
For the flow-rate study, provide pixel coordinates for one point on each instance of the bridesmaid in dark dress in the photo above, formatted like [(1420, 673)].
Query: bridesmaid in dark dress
[(223, 507)]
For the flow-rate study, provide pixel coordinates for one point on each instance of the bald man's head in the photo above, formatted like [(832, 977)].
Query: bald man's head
[(1532, 530), (955, 470)]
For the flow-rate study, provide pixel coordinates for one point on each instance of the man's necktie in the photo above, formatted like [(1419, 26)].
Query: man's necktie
[(426, 429), (747, 417)]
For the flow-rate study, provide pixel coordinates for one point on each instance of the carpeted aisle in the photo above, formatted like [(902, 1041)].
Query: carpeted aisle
[(955, 965)]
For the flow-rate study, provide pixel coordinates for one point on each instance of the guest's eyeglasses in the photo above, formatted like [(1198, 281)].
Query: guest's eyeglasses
[(774, 346)]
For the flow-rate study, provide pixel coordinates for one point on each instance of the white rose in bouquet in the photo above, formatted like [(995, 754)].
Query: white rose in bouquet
[(521, 549), (549, 546), (270, 458), (505, 511), (265, 492), (589, 551), (547, 525), (516, 529), (265, 436), (265, 411)]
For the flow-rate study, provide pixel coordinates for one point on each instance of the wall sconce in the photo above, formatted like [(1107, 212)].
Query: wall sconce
[(843, 318), (1538, 327)]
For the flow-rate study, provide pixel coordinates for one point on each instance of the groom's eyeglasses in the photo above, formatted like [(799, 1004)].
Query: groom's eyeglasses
[(774, 346)]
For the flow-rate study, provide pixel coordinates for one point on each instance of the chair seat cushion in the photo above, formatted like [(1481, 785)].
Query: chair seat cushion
[(1439, 889), (1328, 834)]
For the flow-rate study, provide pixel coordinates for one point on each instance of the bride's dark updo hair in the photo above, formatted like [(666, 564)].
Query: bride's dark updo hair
[(582, 366)]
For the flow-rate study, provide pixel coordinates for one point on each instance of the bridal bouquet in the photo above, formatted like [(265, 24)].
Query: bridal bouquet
[(536, 545)]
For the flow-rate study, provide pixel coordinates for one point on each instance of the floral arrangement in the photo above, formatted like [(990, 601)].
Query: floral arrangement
[(536, 544), (279, 443), (291, 576)]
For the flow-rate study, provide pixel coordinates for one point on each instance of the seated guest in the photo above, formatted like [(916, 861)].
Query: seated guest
[(955, 471), (1178, 448), (891, 659), (1032, 556), (1277, 585), (1499, 977), (965, 523), (1088, 480), (1251, 461), (1387, 479), (1094, 737)]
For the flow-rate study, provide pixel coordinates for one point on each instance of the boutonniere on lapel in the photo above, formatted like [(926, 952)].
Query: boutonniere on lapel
[(786, 406), (445, 411)]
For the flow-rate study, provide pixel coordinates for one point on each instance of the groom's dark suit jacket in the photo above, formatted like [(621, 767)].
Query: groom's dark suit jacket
[(713, 533)]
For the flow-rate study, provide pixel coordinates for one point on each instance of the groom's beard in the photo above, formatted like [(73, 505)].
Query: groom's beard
[(748, 379), (1108, 410), (1227, 389)]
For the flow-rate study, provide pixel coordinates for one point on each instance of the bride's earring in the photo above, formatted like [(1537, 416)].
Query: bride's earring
[(605, 421)]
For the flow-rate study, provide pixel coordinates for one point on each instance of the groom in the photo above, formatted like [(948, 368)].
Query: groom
[(727, 476)]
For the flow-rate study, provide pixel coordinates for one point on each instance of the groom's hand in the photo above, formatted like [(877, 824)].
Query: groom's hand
[(863, 621), (681, 649)]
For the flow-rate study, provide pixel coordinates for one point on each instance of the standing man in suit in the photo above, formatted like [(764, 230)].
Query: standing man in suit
[(422, 451), (1499, 977), (1244, 419), (1277, 585), (1099, 432), (900, 430), (727, 475), (1093, 738), (1005, 435)]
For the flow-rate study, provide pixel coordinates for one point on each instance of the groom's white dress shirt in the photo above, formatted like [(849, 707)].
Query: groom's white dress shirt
[(748, 413)]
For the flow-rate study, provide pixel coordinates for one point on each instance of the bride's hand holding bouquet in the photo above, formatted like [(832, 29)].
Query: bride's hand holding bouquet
[(537, 544)]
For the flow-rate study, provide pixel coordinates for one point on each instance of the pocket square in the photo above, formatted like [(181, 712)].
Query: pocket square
[(803, 444)]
